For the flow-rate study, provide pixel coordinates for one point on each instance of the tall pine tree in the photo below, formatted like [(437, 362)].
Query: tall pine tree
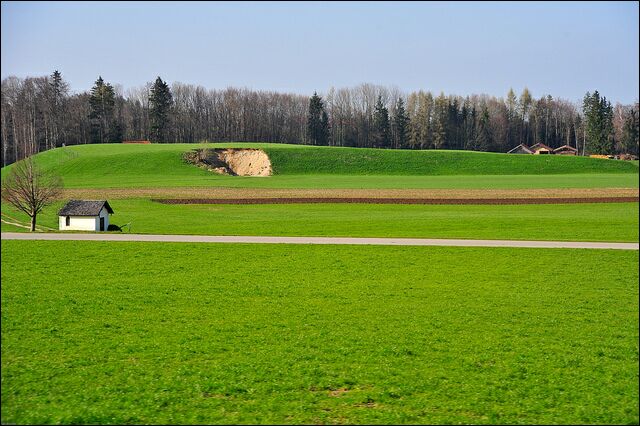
[(525, 106), (101, 106), (317, 122), (441, 121), (483, 132), (160, 102), (59, 90), (400, 125), (380, 135), (598, 115), (512, 119), (631, 131)]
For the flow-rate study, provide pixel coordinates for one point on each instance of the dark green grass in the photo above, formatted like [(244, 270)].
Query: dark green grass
[(570, 222), (96, 332), (331, 160), (161, 165)]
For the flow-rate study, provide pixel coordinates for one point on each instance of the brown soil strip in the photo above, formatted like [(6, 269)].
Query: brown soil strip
[(244, 193), (396, 200)]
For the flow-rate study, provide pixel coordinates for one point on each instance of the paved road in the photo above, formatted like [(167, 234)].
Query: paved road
[(317, 240)]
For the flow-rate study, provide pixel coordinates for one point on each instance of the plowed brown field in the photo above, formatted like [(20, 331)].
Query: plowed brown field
[(359, 195), (395, 200)]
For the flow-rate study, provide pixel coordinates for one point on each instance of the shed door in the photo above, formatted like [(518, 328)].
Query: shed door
[(102, 223)]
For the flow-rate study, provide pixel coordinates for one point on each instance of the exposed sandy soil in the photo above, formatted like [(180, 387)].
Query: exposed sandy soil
[(232, 161), (249, 193)]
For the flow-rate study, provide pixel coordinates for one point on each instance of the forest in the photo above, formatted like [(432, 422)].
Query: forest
[(41, 113)]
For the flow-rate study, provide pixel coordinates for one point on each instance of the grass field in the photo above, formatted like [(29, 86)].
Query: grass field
[(158, 165), (97, 332), (123, 166), (569, 222), (187, 333)]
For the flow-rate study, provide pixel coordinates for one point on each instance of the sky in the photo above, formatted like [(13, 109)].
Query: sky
[(462, 48)]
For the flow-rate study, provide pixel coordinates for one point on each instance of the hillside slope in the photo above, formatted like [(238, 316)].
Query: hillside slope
[(117, 165)]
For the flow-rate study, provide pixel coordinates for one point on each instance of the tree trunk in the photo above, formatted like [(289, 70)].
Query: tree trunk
[(33, 223)]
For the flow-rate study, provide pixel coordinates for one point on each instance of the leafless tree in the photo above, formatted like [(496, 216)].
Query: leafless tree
[(29, 188), (39, 114)]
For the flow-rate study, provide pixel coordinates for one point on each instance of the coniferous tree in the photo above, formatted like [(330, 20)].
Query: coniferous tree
[(454, 118), (324, 125), (400, 125), (441, 121), (59, 91), (380, 135), (470, 124), (160, 102), (483, 132), (631, 131), (512, 105), (101, 106), (317, 122), (525, 106), (598, 114)]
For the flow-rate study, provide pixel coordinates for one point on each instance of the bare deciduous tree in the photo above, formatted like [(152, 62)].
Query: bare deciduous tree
[(29, 188), (41, 113)]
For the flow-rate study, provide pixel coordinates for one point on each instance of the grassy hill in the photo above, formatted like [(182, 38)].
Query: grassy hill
[(117, 165), (332, 160)]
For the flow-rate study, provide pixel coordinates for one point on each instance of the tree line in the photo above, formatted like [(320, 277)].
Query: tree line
[(41, 113)]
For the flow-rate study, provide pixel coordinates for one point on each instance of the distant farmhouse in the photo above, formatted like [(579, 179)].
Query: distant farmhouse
[(565, 150), (82, 215), (520, 149), (542, 149)]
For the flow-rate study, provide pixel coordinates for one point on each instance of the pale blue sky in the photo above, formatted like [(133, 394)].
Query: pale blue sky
[(563, 49)]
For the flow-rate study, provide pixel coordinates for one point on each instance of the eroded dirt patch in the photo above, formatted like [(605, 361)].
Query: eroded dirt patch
[(231, 161)]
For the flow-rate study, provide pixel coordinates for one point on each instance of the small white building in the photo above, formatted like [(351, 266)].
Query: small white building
[(82, 215)]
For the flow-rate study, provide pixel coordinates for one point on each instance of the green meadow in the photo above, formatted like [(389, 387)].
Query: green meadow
[(133, 333), (569, 222), (295, 166)]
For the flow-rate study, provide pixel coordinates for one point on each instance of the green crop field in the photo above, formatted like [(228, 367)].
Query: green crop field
[(569, 222), (96, 332), (161, 165)]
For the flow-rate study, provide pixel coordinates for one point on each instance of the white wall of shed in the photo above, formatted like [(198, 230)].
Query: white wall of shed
[(79, 223)]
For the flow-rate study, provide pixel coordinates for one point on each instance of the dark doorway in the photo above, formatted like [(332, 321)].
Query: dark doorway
[(102, 223)]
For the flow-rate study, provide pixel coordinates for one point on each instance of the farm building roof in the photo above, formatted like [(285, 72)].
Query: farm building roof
[(521, 147), (540, 145), (565, 148), (84, 208)]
